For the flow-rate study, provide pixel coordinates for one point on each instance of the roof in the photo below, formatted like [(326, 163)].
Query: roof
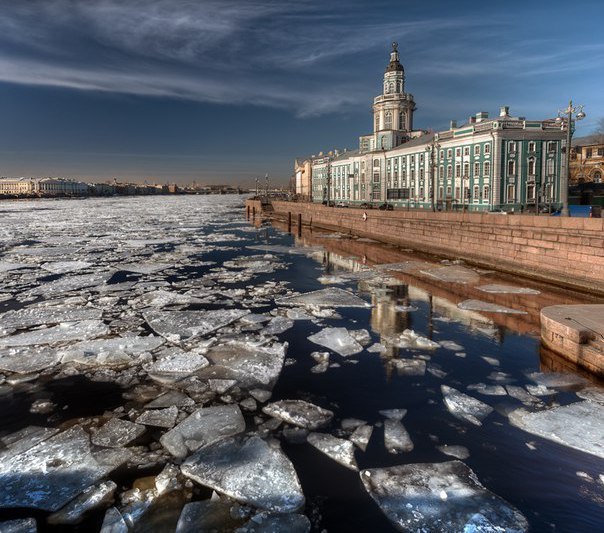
[(588, 140)]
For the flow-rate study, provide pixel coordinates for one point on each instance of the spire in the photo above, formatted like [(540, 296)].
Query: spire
[(394, 64)]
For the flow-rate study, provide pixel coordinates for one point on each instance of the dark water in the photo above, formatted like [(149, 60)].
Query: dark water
[(557, 488)]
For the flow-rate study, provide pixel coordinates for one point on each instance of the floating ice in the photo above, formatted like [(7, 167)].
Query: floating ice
[(7, 266), (338, 340), (173, 397), (206, 515), (248, 470), (144, 268), (298, 314), (409, 367), (299, 413), (114, 522), (595, 394), (162, 298), (520, 394), (396, 438), (266, 523), (452, 274), (117, 433), (488, 307), (489, 390), (556, 380), (221, 385), (330, 297), (465, 407), (25, 360), (360, 436), (578, 425), (362, 336), (491, 360), (340, 450), (62, 267), (377, 348), (203, 427), (459, 452), (411, 340), (118, 350), (91, 498), (277, 325), (250, 364), (451, 345), (70, 283), (24, 439), (506, 289), (55, 471), (394, 414), (439, 497), (163, 418), (179, 362), (182, 326), (68, 331), (21, 525), (35, 316)]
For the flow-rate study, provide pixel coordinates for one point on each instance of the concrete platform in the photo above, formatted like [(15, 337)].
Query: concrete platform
[(577, 333)]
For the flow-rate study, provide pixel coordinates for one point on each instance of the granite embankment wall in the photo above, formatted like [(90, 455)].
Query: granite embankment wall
[(563, 251)]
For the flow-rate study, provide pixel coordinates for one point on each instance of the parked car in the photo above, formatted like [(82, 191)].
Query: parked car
[(497, 212), (341, 204), (366, 205), (386, 207)]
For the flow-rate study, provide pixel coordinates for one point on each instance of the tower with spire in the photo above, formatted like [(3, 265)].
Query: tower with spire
[(392, 110)]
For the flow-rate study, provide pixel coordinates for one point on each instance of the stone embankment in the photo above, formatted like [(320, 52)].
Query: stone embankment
[(567, 252)]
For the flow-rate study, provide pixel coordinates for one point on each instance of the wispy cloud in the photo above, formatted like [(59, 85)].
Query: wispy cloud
[(296, 56)]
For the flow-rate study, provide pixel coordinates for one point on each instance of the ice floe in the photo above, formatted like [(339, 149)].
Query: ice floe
[(361, 436), (506, 289), (337, 339), (330, 297), (465, 407), (117, 433), (68, 331), (340, 450), (488, 307), (396, 437), (92, 498), (117, 350), (299, 413)]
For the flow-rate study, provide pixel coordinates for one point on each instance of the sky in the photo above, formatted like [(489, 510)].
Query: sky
[(225, 91)]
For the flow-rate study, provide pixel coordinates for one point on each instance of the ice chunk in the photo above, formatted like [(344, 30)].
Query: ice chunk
[(409, 367), (203, 427), (340, 450), (163, 418), (595, 394), (62, 267), (394, 414), (451, 345), (465, 407), (459, 452), (221, 385), (173, 397), (490, 360), (206, 515), (70, 283), (55, 471), (21, 525), (26, 360), (68, 331), (578, 425), (91, 498), (117, 433), (24, 439), (506, 289), (377, 348), (144, 268), (265, 523), (362, 336), (348, 424), (489, 390), (249, 363), (438, 497), (299, 413), (277, 325), (36, 316), (118, 350), (7, 266), (488, 307), (248, 470), (412, 340), (396, 438), (330, 297), (338, 340), (558, 380), (179, 362), (452, 274), (361, 436), (183, 326), (114, 522), (520, 394)]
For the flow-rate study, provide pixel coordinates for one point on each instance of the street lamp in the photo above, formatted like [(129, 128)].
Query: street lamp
[(568, 114)]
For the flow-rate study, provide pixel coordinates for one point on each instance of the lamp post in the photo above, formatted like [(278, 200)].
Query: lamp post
[(564, 179)]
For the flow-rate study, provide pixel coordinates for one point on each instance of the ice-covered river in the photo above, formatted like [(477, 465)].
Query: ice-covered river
[(167, 365)]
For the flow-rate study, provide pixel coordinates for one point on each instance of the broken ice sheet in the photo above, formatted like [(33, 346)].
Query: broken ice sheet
[(439, 497), (179, 362), (67, 331), (36, 316), (250, 363), (409, 339), (93, 497), (248, 470), (558, 380), (396, 437), (28, 359), (203, 427), (277, 325), (23, 439), (276, 523), (340, 450), (144, 268), (163, 418), (488, 307), (299, 413), (55, 471), (360, 436), (183, 326), (338, 340), (489, 390), (117, 433), (117, 350), (409, 367), (20, 525), (459, 452), (330, 297), (506, 289), (173, 397), (465, 407), (452, 274), (70, 283), (579, 425), (62, 267), (206, 516)]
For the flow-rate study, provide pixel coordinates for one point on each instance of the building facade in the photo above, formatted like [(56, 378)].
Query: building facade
[(587, 160), (505, 162), (42, 187)]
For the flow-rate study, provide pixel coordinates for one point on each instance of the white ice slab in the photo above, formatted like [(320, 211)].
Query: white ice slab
[(396, 437), (117, 433), (68, 331), (330, 297), (337, 339), (495, 288), (488, 307), (340, 450), (465, 407), (117, 350), (299, 413)]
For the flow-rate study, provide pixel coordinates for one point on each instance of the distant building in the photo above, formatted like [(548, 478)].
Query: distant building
[(17, 186), (42, 187), (503, 162), (587, 160), (303, 178)]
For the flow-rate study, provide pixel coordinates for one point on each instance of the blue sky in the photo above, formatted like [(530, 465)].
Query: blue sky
[(225, 91)]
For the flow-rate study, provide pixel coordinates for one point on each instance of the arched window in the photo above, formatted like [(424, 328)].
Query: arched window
[(398, 87), (485, 193), (377, 121), (597, 177), (531, 166), (388, 120), (466, 169), (401, 121), (390, 87)]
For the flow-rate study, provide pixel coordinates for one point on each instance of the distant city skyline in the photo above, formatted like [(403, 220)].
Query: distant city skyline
[(227, 91)]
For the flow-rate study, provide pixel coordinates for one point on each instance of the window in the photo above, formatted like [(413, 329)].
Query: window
[(377, 122), (441, 172), (530, 192), (550, 167), (441, 155), (388, 120), (376, 163), (485, 193), (512, 147), (588, 153), (412, 159), (449, 190), (511, 168), (421, 192), (401, 120), (476, 193), (458, 170), (511, 196), (487, 149), (449, 153), (531, 146), (449, 171), (477, 149), (487, 168), (476, 169), (457, 193), (551, 146), (398, 87), (597, 177), (531, 166), (457, 152), (600, 152), (412, 174), (376, 177), (466, 150), (466, 169)]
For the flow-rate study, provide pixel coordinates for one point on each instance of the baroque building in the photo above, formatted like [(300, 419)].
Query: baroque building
[(587, 160), (504, 162)]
